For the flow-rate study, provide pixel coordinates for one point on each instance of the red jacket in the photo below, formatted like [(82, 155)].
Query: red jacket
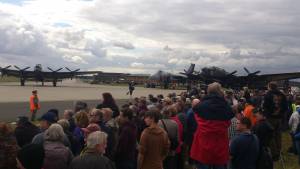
[(211, 143)]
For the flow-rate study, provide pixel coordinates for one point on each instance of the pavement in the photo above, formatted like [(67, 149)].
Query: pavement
[(14, 100)]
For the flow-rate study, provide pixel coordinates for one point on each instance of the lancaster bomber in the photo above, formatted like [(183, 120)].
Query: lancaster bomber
[(39, 75), (230, 80)]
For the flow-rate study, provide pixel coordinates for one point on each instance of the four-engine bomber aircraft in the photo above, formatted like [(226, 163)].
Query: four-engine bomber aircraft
[(39, 75), (230, 80)]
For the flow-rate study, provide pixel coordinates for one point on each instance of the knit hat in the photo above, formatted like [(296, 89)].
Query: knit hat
[(31, 156)]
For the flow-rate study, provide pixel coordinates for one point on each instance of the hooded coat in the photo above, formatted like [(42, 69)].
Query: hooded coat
[(211, 144), (154, 146)]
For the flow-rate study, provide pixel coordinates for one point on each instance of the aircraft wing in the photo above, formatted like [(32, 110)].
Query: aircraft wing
[(66, 75), (17, 73), (279, 76)]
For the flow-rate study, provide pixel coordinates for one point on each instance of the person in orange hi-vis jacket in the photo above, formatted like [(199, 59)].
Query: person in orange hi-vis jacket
[(34, 104)]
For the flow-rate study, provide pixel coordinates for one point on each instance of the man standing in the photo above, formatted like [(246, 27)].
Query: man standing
[(130, 88), (34, 104), (210, 148), (244, 149), (93, 157), (274, 107)]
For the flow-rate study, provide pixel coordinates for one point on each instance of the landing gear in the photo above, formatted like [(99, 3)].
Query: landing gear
[(22, 82), (54, 83)]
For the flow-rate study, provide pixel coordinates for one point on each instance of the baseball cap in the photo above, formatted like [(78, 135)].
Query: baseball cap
[(49, 116)]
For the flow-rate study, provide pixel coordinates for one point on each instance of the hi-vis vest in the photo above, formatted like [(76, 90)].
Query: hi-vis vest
[(32, 105)]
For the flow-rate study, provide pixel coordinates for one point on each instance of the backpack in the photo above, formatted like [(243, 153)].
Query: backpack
[(174, 141)]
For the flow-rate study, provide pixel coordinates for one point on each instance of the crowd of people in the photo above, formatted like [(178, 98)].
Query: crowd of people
[(212, 129)]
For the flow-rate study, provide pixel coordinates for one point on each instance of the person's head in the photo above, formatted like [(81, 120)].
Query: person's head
[(108, 99), (244, 124), (151, 117), (5, 130), (81, 119), (167, 101), (79, 105), (126, 115), (97, 141), (64, 123), (173, 110), (22, 121), (34, 92), (107, 114), (272, 86), (47, 119), (195, 102), (215, 88), (68, 114), (54, 133), (90, 129), (277, 100), (31, 156), (56, 112), (259, 114), (95, 115)]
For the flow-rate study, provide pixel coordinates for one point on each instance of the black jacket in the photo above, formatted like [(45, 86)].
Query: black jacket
[(214, 107), (264, 131), (25, 133), (269, 106)]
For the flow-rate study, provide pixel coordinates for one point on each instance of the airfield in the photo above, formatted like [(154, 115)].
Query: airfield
[(14, 100)]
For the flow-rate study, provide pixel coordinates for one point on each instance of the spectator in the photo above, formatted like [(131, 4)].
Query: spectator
[(211, 144), (264, 132), (31, 156), (25, 131), (275, 106), (244, 149), (96, 116), (172, 129), (293, 124), (154, 144), (109, 102), (57, 155), (248, 111), (68, 115), (73, 142), (8, 147), (81, 121), (46, 121), (80, 106), (232, 129), (125, 157), (93, 157)]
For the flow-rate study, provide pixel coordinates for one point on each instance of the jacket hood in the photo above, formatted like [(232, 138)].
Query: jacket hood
[(214, 107), (154, 130)]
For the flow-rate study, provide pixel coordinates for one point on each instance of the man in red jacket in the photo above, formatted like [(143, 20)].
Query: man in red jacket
[(210, 146)]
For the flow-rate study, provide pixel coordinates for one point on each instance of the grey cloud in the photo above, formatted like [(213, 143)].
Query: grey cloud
[(125, 45)]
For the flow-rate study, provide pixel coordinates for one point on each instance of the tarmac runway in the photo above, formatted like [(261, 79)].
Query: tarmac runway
[(14, 100)]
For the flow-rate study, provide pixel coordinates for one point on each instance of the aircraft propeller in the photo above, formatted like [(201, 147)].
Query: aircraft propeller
[(251, 74), (54, 71), (3, 70), (72, 71), (21, 69), (232, 73)]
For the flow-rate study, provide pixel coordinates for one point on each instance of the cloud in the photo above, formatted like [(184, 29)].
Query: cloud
[(167, 35), (125, 45)]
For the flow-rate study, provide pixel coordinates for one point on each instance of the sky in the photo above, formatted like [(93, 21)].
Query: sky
[(144, 36)]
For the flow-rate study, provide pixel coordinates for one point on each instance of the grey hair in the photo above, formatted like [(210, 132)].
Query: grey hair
[(54, 133), (95, 138), (215, 88), (64, 124)]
